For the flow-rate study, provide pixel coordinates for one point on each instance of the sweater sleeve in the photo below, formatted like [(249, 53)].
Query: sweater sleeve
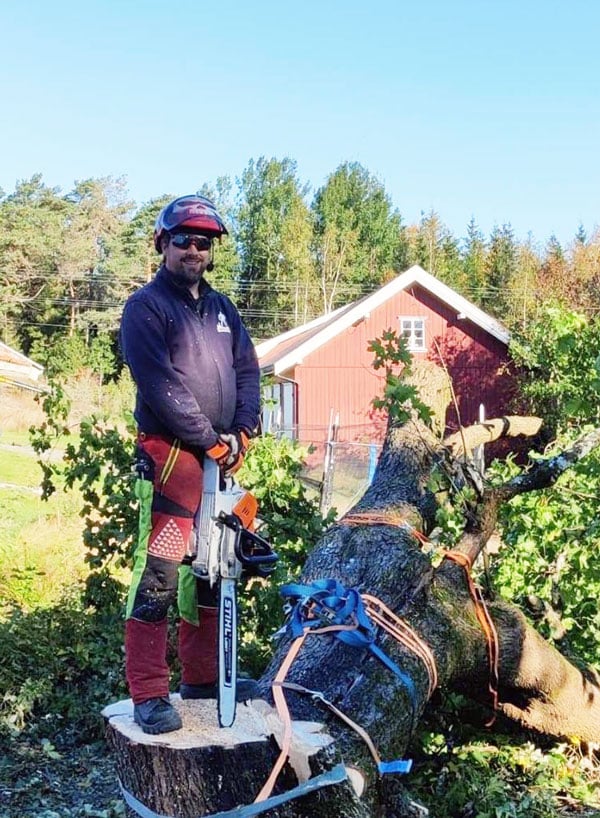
[(247, 408), (145, 351)]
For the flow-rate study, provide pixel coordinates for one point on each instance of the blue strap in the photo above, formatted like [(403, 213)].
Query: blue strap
[(326, 602), (400, 766), (333, 604), (137, 806), (404, 678), (336, 775)]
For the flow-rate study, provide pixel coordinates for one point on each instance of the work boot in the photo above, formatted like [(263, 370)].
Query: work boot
[(245, 689), (156, 716)]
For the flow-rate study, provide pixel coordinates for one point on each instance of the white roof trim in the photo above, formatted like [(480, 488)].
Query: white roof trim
[(414, 275), (19, 361), (267, 346)]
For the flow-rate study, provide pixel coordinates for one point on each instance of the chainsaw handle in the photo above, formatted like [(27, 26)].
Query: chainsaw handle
[(261, 550)]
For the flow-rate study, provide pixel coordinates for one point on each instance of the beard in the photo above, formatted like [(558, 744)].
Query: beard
[(186, 275)]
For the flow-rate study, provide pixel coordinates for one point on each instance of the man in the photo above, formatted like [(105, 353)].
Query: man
[(197, 380)]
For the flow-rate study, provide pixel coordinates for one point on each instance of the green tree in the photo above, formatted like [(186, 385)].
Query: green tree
[(434, 248), (274, 232), (133, 260), (552, 537), (559, 358), (31, 221), (501, 269), (554, 278), (359, 238), (525, 298), (474, 255), (57, 257), (585, 272), (98, 209), (227, 258)]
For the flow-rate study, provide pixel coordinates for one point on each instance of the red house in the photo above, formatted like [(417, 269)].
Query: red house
[(324, 368)]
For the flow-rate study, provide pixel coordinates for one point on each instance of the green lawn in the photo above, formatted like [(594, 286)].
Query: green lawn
[(20, 469), (41, 552), (13, 437)]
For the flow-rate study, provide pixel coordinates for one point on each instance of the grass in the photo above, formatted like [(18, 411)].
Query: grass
[(15, 437), (41, 553), (19, 469)]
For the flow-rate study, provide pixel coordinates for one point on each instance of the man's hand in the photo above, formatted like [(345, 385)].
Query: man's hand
[(220, 453), (229, 451), (238, 444)]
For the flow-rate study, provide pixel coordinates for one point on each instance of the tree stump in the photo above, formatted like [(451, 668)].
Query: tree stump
[(203, 769)]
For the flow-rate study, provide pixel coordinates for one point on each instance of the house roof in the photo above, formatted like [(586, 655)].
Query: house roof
[(288, 349), (14, 366)]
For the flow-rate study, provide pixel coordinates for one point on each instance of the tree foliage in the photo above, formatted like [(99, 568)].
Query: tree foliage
[(559, 357), (358, 235), (68, 260), (501, 267), (274, 230), (552, 538)]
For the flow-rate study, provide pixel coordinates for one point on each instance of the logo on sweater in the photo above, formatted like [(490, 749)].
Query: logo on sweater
[(222, 325)]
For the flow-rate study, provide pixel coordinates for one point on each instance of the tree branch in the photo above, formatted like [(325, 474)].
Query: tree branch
[(490, 430)]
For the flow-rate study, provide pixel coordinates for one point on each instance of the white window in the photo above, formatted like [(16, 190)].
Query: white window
[(413, 329)]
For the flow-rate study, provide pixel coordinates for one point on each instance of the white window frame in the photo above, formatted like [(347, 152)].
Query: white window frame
[(412, 327)]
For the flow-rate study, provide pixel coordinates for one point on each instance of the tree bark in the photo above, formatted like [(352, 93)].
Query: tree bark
[(380, 549), (537, 686)]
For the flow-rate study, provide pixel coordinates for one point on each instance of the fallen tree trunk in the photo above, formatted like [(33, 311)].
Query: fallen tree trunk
[(537, 686), (379, 549)]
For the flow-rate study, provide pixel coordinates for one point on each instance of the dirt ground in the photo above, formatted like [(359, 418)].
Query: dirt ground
[(39, 781)]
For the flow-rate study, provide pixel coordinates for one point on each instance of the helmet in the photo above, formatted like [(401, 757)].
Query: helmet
[(195, 212)]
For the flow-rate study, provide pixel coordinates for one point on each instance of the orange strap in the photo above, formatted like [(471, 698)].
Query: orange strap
[(282, 708), (284, 714), (382, 616), (339, 713), (383, 518), (487, 626), (483, 616), (403, 633)]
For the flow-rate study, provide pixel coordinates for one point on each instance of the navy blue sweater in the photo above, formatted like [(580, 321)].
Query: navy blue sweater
[(193, 362)]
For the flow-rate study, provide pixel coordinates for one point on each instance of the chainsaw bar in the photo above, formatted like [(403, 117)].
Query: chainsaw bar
[(223, 550), (227, 652)]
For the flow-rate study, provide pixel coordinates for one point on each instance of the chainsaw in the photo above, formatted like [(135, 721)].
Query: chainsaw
[(227, 549)]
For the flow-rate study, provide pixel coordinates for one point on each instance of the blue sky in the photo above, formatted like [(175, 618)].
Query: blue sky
[(474, 109)]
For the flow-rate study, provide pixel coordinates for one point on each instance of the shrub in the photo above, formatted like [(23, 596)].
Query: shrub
[(58, 667)]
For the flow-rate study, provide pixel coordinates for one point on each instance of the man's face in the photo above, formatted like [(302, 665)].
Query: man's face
[(187, 264)]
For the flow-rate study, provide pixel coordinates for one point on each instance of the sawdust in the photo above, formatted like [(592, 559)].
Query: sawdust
[(200, 724), (254, 721)]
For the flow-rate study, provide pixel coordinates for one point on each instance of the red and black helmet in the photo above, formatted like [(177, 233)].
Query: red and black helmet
[(193, 212)]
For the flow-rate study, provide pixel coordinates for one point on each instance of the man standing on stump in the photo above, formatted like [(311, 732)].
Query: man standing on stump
[(197, 379)]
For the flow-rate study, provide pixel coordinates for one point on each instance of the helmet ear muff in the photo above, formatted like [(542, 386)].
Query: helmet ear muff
[(161, 241), (211, 264)]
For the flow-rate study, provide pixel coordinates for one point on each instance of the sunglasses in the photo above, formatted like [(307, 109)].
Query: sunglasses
[(182, 241)]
